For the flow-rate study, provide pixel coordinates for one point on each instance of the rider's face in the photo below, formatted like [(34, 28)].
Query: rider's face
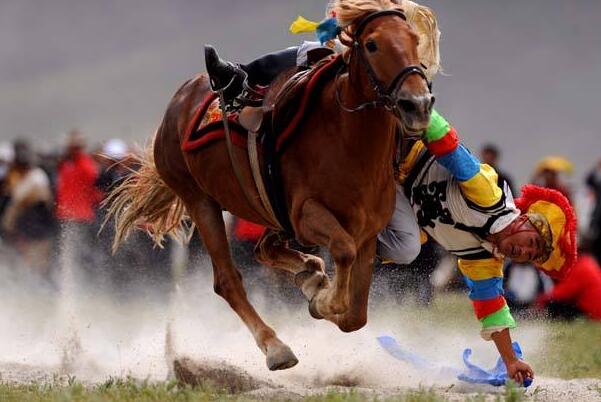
[(522, 243)]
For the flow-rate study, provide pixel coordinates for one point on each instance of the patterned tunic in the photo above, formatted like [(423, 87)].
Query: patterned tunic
[(459, 202)]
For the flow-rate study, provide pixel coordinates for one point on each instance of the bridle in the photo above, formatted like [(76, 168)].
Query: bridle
[(384, 96)]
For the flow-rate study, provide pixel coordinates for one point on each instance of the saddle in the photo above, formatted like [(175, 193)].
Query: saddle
[(285, 105), (265, 130)]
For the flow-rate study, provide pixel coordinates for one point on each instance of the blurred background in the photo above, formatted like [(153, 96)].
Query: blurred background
[(83, 78), (524, 74)]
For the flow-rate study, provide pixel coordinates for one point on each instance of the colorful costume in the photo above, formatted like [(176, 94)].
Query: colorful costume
[(460, 204)]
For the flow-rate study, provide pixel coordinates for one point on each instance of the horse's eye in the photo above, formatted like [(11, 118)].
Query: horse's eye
[(371, 46)]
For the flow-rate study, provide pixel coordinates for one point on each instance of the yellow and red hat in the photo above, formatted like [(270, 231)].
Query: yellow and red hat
[(551, 213)]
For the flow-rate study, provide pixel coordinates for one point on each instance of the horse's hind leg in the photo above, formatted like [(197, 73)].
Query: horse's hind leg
[(207, 216), (309, 270)]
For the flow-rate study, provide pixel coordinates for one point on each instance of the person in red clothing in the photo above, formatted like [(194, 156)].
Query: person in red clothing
[(579, 293), (77, 195), (77, 199)]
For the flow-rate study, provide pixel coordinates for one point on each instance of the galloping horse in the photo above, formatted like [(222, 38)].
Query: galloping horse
[(337, 175)]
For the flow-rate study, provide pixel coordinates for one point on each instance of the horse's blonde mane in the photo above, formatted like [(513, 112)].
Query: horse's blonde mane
[(349, 11), (424, 22), (421, 18)]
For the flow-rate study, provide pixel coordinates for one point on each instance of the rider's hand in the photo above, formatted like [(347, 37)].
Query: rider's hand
[(519, 370)]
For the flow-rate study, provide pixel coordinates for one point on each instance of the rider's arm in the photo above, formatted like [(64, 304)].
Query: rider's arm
[(478, 181), (485, 280)]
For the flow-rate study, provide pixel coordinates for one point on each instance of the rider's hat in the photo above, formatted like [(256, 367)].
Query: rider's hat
[(551, 214)]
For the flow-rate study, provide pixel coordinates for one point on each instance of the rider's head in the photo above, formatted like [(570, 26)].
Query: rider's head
[(527, 238), (545, 233)]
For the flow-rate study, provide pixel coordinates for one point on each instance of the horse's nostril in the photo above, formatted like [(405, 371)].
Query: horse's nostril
[(407, 105)]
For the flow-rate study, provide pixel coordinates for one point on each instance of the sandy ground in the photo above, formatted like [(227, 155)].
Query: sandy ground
[(47, 335)]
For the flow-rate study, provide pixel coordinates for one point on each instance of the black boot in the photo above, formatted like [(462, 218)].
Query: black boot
[(224, 74)]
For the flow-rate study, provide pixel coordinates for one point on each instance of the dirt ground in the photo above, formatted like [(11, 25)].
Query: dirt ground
[(89, 335)]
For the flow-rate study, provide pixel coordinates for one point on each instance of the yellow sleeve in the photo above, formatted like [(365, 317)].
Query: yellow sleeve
[(482, 189), (478, 270)]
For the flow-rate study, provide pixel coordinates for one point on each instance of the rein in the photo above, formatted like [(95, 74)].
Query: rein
[(384, 96)]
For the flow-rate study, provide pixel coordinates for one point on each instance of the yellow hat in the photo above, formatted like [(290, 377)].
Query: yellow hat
[(554, 163), (559, 232)]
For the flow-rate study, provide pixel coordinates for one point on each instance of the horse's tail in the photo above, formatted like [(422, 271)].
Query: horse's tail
[(144, 200)]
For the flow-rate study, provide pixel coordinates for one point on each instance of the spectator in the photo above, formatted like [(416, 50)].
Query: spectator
[(6, 159), (593, 181), (77, 198), (28, 220), (491, 155), (578, 294), (549, 171)]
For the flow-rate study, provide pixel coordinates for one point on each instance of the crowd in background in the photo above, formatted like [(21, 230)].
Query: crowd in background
[(51, 204)]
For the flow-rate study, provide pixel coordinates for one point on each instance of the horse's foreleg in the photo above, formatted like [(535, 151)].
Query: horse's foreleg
[(208, 218), (356, 316), (309, 270), (320, 226)]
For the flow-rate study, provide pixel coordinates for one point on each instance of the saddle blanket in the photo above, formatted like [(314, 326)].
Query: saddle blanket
[(206, 125)]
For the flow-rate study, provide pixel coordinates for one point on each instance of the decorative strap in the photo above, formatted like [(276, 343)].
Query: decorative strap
[(233, 160), (253, 157)]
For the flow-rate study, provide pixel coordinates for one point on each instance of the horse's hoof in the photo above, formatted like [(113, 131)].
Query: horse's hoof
[(281, 358), (313, 310)]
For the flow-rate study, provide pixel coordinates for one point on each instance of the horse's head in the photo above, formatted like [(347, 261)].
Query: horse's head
[(385, 46)]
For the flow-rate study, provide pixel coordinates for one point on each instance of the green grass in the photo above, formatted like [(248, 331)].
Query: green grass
[(573, 350), (134, 391)]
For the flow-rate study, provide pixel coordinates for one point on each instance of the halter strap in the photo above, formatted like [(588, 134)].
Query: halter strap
[(384, 96), (366, 20)]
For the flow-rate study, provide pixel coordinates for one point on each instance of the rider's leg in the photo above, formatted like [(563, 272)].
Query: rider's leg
[(258, 72), (399, 242), (265, 69)]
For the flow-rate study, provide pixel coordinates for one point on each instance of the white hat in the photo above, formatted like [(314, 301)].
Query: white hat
[(7, 152), (115, 149)]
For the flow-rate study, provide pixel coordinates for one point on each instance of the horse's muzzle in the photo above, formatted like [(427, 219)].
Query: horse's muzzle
[(415, 110)]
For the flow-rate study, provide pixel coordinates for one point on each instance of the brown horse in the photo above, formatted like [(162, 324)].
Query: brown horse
[(337, 175)]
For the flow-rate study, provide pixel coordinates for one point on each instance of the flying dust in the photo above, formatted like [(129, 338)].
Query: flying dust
[(81, 327)]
